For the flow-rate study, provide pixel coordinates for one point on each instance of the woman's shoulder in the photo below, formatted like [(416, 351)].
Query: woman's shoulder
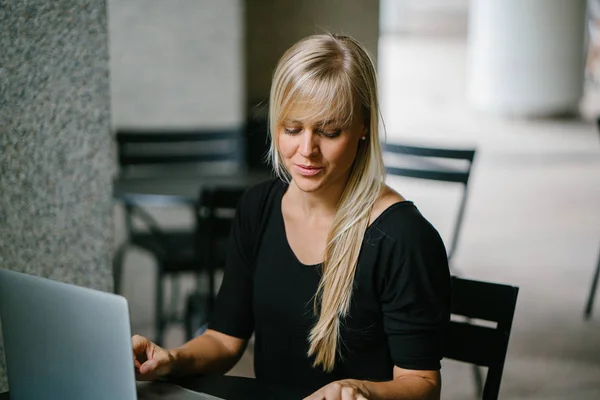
[(387, 199), (263, 189), (257, 194), (401, 232), (398, 218)]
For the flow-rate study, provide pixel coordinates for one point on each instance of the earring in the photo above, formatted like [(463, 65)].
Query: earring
[(363, 138)]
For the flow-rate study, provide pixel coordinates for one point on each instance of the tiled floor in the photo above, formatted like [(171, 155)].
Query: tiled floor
[(533, 220)]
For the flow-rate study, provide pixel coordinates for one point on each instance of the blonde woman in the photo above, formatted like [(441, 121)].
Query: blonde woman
[(343, 282)]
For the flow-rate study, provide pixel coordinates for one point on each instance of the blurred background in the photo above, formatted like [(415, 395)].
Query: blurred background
[(516, 81)]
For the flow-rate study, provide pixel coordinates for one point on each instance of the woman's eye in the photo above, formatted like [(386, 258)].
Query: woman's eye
[(292, 131), (331, 133)]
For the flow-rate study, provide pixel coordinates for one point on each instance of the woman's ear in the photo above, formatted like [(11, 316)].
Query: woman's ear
[(366, 123), (364, 132)]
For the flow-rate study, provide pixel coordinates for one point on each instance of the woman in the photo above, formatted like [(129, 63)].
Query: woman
[(342, 280)]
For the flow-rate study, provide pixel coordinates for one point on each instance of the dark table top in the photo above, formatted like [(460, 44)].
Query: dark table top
[(165, 190), (237, 388), (233, 388)]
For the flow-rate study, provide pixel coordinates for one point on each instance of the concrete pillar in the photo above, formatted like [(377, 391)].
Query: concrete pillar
[(55, 143), (526, 56)]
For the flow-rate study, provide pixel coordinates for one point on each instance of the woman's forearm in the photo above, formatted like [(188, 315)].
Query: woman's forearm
[(205, 354), (401, 388)]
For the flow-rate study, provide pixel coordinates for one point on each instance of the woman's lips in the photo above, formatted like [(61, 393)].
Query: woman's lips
[(307, 170)]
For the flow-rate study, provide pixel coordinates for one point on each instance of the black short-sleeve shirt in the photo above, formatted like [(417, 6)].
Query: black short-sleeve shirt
[(399, 309)]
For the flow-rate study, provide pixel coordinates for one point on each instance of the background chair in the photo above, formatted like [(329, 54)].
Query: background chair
[(216, 211), (478, 344), (592, 296), (144, 153), (187, 149), (431, 164)]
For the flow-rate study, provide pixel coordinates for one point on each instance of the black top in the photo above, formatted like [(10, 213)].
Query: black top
[(400, 303)]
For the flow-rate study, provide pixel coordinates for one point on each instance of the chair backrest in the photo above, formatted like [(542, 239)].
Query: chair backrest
[(214, 219), (435, 164), (422, 162), (481, 344), (216, 209), (158, 147)]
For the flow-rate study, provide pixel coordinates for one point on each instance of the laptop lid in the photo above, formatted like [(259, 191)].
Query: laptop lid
[(63, 341)]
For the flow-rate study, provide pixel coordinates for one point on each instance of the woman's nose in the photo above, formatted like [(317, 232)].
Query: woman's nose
[(308, 144)]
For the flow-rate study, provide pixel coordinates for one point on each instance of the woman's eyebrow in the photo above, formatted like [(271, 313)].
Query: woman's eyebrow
[(329, 122), (326, 122), (292, 121)]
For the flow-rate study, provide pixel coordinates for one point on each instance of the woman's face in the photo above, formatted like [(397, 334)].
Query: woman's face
[(318, 155)]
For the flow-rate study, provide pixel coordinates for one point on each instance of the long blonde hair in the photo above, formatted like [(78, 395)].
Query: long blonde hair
[(334, 74)]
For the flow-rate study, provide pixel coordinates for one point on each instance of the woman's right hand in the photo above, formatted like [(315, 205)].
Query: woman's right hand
[(150, 360)]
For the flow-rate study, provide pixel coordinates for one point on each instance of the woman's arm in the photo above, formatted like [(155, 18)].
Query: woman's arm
[(211, 352), (407, 384)]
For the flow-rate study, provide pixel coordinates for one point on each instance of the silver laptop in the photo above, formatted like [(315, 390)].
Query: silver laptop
[(63, 341)]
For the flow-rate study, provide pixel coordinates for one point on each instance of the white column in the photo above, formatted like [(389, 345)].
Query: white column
[(526, 57)]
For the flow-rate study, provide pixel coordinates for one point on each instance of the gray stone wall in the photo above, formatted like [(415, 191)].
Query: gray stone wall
[(56, 161)]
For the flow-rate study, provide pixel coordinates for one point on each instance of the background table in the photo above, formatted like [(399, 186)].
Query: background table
[(237, 388), (164, 190)]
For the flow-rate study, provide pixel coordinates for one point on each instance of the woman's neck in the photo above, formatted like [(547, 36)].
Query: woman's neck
[(322, 203)]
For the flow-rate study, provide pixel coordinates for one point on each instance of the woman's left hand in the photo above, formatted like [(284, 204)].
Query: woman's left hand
[(347, 389)]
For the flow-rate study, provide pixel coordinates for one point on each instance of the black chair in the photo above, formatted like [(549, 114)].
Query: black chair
[(148, 147), (433, 164), (481, 345), (592, 296), (154, 153), (216, 212)]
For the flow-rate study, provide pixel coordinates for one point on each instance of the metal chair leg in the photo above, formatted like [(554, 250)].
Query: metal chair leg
[(173, 315), (590, 302), (159, 322), (211, 290), (195, 319), (478, 380), (118, 267)]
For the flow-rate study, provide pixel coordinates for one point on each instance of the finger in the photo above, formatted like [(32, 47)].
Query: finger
[(144, 377), (334, 391), (139, 344), (348, 393), (144, 349), (158, 365), (148, 367), (151, 350)]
